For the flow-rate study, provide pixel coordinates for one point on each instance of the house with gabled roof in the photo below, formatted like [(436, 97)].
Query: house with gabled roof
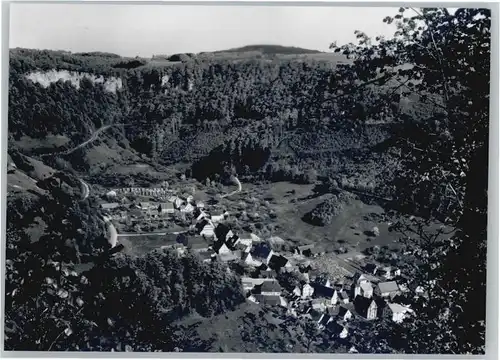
[(366, 307), (398, 312), (319, 280), (262, 251), (205, 228), (303, 291), (269, 288), (327, 293), (345, 313), (364, 289), (249, 260), (358, 278), (388, 289), (220, 247)]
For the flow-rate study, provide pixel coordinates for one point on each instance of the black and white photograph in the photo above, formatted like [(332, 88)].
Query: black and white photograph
[(247, 178)]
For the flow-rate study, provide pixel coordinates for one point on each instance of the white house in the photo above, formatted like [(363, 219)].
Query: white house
[(398, 312), (345, 314), (361, 279), (343, 334), (364, 289), (249, 260), (307, 291)]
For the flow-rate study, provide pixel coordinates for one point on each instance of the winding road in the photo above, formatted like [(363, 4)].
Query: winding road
[(237, 181), (94, 136), (86, 189)]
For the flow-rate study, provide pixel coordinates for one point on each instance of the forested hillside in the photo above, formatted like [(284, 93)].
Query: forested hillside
[(298, 113)]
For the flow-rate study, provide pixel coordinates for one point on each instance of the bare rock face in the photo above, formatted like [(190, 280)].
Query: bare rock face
[(45, 78)]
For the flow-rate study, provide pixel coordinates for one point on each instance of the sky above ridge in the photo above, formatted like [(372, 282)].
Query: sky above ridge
[(144, 30)]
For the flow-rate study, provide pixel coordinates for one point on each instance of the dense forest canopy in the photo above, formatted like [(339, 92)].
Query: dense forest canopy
[(405, 119)]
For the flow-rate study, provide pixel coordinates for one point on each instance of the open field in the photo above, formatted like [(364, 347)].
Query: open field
[(290, 202), (48, 142), (140, 245)]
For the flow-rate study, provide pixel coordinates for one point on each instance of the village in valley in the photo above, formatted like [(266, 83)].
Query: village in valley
[(292, 278)]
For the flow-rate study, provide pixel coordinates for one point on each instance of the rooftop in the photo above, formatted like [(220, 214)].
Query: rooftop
[(388, 286), (397, 308), (270, 286)]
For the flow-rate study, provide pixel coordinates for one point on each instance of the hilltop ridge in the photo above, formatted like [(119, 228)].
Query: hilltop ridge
[(270, 49)]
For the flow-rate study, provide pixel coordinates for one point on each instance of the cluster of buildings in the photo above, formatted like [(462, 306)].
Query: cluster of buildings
[(120, 207), (377, 292), (333, 306), (213, 240)]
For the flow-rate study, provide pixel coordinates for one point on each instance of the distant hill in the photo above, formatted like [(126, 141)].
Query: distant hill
[(271, 50)]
